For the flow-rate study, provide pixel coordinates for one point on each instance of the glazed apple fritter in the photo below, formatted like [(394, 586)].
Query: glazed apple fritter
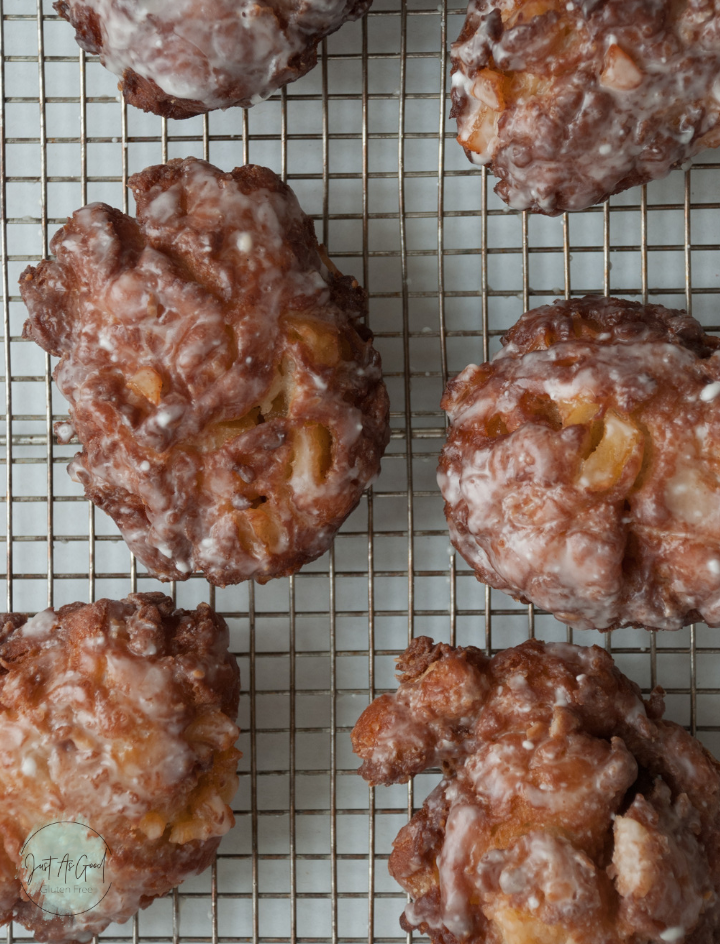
[(120, 715), (582, 467), (571, 101), (179, 58), (220, 378), (569, 811)]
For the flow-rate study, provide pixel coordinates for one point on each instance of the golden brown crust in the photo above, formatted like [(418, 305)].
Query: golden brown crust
[(119, 714), (145, 94), (569, 811), (220, 378), (580, 469)]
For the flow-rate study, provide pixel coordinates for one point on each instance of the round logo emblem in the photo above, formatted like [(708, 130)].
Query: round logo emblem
[(63, 868)]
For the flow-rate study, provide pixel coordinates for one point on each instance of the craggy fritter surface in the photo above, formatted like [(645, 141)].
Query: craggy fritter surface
[(180, 58), (582, 467), (569, 810), (226, 392), (120, 714), (570, 102)]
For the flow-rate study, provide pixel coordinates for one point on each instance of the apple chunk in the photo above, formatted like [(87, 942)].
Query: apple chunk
[(577, 412), (147, 383), (312, 456), (620, 72), (321, 338), (483, 135), (604, 466), (489, 89)]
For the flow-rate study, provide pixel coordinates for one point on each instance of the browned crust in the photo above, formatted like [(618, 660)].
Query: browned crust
[(623, 320), (88, 34), (147, 95)]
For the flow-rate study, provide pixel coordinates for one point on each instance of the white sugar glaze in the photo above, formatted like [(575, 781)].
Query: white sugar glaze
[(545, 876)]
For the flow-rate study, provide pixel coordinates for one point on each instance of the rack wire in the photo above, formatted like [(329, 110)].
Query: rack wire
[(366, 143)]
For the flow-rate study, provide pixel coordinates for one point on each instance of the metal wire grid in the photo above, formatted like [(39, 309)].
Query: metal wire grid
[(364, 141)]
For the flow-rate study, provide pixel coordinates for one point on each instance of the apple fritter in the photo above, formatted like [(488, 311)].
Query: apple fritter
[(219, 374), (119, 715), (179, 58), (569, 811), (571, 101), (582, 467)]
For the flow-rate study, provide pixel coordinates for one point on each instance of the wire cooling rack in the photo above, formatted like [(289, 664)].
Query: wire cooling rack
[(366, 143)]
